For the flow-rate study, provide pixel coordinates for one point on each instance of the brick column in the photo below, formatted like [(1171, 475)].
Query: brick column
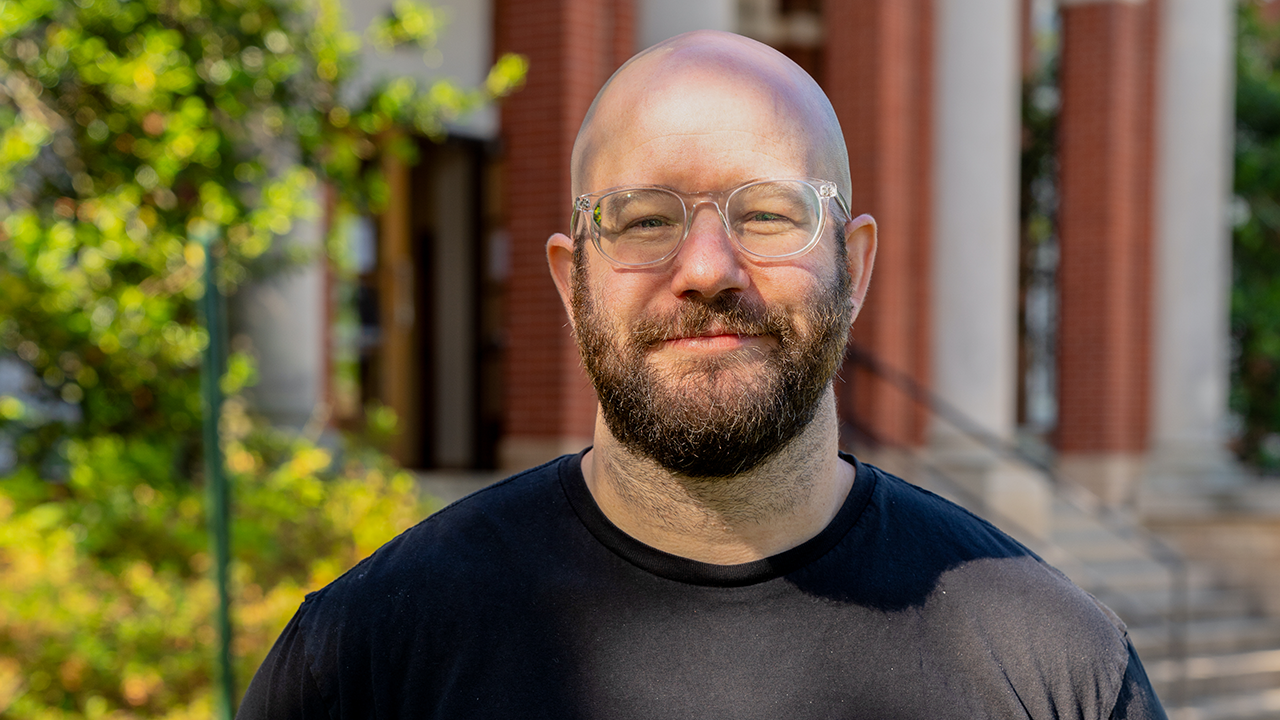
[(878, 72), (572, 46), (1106, 150)]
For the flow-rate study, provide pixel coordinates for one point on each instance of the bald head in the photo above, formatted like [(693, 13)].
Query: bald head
[(667, 101)]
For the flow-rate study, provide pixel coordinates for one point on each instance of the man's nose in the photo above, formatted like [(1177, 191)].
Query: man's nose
[(708, 262)]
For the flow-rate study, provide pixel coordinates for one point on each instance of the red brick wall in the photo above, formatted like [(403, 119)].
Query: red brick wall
[(572, 46), (1106, 151), (879, 76), (1270, 10)]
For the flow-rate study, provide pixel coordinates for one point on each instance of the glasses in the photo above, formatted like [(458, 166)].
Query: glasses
[(769, 219)]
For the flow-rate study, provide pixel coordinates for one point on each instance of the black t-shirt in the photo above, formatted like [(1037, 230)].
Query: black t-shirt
[(524, 601)]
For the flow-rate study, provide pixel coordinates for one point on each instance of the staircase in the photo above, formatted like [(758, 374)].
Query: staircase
[(1210, 654)]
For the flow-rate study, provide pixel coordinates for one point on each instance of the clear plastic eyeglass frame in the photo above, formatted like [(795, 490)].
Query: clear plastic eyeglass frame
[(585, 205)]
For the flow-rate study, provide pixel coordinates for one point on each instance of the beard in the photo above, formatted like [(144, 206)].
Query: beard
[(722, 415)]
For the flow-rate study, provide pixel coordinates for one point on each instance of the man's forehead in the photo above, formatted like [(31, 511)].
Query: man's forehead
[(676, 100)]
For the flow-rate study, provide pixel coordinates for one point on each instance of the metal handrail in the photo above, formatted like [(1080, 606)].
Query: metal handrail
[(1156, 548)]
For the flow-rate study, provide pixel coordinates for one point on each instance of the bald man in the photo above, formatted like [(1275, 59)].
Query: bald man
[(712, 554)]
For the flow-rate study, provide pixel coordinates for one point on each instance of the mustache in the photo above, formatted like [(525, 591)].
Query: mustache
[(726, 313)]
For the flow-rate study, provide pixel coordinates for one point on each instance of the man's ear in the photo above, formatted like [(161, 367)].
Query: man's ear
[(560, 260), (860, 251)]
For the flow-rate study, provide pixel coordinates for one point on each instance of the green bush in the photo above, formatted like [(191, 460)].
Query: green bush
[(107, 605)]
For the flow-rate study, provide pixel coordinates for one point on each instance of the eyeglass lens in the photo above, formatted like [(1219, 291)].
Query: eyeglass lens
[(769, 219)]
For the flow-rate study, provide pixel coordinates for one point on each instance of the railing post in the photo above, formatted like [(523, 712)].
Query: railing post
[(1178, 629), (218, 494)]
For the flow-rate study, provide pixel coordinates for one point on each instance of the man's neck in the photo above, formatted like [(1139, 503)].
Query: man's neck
[(785, 501)]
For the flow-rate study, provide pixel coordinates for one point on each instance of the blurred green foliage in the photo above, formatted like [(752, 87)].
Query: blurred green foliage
[(127, 128), (107, 605), (1255, 298)]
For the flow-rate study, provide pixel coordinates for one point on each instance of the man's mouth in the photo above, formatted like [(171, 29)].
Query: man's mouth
[(707, 327), (714, 338)]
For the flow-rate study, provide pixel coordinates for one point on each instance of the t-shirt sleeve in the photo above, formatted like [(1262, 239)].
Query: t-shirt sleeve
[(284, 687), (1137, 700)]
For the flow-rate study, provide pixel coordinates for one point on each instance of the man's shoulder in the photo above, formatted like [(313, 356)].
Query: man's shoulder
[(916, 517), (944, 554), (974, 592), (470, 536), (442, 578)]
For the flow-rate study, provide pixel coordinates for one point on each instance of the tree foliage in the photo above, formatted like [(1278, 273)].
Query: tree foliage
[(1255, 298), (129, 128)]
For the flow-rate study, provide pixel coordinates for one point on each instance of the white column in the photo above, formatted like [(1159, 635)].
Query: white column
[(659, 20), (975, 260), (283, 318), (1192, 248)]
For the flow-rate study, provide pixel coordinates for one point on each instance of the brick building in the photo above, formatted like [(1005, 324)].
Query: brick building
[(463, 335)]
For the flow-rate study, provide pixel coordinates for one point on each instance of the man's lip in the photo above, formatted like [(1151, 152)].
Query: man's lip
[(711, 335), (713, 340), (715, 330)]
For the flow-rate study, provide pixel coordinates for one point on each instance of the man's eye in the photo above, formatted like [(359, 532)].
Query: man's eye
[(765, 221), (645, 224)]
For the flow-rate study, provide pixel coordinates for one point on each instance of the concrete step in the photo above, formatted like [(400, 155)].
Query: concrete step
[(1261, 705), (1153, 607), (1130, 574), (1218, 636), (1097, 546), (447, 486), (1215, 681), (1071, 515), (1098, 543)]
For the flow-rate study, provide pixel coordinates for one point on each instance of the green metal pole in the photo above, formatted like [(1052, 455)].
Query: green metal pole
[(218, 493)]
